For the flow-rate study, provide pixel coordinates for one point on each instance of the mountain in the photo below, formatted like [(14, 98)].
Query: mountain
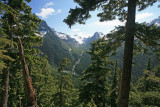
[(139, 61), (59, 45), (65, 37), (72, 39), (155, 22), (86, 59), (96, 36), (55, 48)]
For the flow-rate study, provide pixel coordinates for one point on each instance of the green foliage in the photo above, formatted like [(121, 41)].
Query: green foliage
[(25, 25), (94, 84), (57, 49), (66, 94), (147, 89), (110, 10), (3, 43), (144, 45), (57, 89), (43, 81), (146, 42), (114, 91), (135, 97)]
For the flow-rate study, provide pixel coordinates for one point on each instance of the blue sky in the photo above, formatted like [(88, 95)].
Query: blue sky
[(55, 11)]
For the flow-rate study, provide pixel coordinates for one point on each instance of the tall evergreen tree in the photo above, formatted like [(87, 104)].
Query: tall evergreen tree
[(4, 42), (3, 57), (23, 26), (5, 45), (113, 96), (149, 87), (43, 80), (64, 95), (95, 78), (111, 9)]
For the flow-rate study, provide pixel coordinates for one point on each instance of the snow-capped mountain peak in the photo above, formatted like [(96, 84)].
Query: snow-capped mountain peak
[(98, 35), (60, 35), (78, 38), (155, 22), (75, 39)]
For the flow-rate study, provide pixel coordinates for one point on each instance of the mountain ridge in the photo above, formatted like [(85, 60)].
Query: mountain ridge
[(155, 22), (73, 39), (59, 45)]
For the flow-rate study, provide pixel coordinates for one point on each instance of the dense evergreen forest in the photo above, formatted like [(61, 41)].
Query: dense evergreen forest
[(30, 78)]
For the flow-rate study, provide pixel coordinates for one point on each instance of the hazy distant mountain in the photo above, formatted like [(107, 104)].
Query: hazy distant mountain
[(78, 39), (155, 22), (65, 37), (96, 36), (73, 39)]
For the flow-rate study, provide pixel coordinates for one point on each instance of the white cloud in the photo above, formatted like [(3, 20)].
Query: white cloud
[(75, 30), (49, 4), (59, 11), (45, 12), (143, 15), (107, 23)]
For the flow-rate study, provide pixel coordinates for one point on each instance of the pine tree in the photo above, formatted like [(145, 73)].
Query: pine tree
[(111, 9), (95, 78), (22, 27), (64, 96), (148, 87), (5, 45), (43, 80), (113, 96), (3, 40)]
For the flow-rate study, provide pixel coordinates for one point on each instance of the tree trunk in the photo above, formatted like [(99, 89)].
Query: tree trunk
[(5, 86), (29, 90), (128, 55)]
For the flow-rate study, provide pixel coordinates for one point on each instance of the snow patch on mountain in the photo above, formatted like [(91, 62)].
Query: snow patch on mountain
[(155, 22), (43, 33), (78, 38), (60, 35), (70, 49)]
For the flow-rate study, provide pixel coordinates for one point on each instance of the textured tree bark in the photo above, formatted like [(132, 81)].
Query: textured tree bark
[(29, 90), (128, 55), (5, 86)]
